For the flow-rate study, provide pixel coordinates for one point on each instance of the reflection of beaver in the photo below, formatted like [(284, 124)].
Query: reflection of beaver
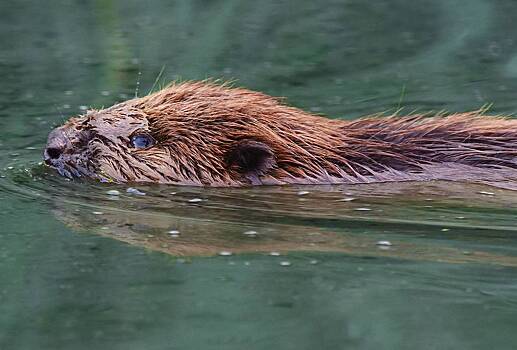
[(200, 133), (322, 222)]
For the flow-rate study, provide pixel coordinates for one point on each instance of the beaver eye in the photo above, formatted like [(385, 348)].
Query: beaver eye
[(141, 141)]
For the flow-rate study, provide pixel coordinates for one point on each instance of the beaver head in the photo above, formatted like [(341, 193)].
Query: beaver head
[(201, 133)]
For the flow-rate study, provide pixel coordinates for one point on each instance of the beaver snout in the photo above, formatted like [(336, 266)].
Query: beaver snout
[(57, 144)]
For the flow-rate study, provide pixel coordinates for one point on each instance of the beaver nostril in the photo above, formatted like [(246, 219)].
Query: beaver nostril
[(54, 152)]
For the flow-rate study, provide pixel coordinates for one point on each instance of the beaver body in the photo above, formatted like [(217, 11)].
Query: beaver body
[(205, 134)]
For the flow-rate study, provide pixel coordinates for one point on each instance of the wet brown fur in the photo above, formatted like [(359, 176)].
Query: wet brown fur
[(207, 133)]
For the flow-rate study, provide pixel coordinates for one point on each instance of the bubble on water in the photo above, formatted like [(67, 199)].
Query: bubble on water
[(486, 193), (10, 167), (247, 263), (105, 93), (69, 92), (274, 253), (174, 233), (164, 245), (83, 108), (384, 243), (97, 213), (30, 148), (173, 193), (363, 209), (347, 199), (195, 200), (225, 253), (488, 292), (113, 193), (250, 233), (66, 106), (313, 262), (133, 190), (285, 263), (105, 228), (303, 193), (460, 217), (150, 236), (445, 229)]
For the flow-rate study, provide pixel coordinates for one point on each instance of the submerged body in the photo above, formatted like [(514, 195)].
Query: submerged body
[(204, 134)]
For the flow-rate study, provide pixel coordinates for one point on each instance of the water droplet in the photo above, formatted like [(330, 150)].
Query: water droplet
[(250, 233), (225, 253), (174, 233), (486, 193), (135, 191), (347, 199)]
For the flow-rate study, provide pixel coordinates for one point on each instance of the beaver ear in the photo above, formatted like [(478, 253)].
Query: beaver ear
[(252, 158)]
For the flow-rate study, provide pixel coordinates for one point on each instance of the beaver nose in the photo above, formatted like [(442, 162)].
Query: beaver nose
[(56, 144)]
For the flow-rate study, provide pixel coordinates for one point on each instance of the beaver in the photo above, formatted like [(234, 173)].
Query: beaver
[(213, 134)]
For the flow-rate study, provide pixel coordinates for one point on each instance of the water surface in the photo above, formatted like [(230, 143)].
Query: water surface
[(386, 266)]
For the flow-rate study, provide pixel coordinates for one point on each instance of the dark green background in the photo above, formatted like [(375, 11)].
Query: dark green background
[(64, 288)]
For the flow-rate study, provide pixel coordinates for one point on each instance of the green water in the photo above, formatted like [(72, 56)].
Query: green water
[(82, 269)]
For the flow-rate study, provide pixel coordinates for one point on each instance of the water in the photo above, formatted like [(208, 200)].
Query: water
[(163, 267)]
